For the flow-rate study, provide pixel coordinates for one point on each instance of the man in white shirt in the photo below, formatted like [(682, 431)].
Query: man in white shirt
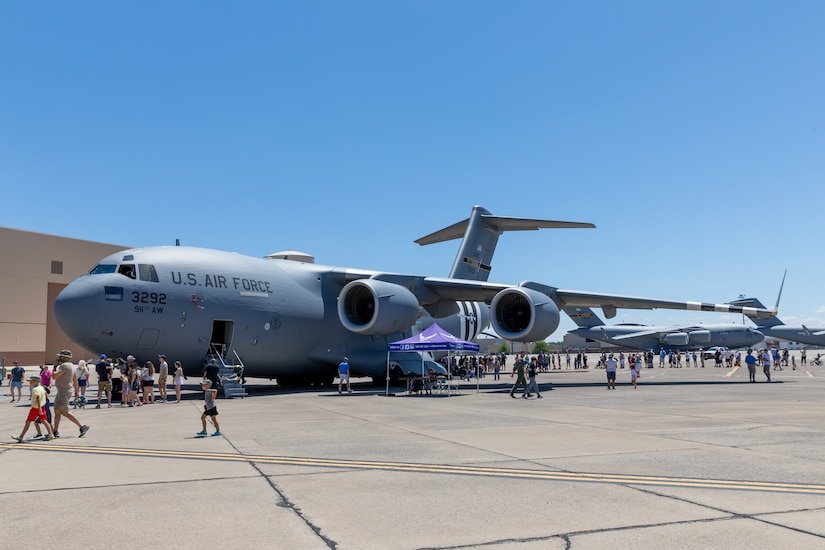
[(610, 368)]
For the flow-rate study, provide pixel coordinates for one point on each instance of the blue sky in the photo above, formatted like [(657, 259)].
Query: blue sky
[(691, 133)]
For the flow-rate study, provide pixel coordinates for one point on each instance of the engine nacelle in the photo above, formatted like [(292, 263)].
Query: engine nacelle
[(699, 336), (375, 307), (523, 315), (676, 339)]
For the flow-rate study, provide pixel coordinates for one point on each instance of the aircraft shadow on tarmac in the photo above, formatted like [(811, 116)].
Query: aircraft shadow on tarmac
[(367, 389)]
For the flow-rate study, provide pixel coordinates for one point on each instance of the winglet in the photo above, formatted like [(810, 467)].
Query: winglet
[(781, 286)]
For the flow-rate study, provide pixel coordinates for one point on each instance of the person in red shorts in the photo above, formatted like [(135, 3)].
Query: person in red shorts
[(38, 410)]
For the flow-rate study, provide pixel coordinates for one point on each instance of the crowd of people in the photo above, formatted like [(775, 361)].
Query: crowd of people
[(71, 382)]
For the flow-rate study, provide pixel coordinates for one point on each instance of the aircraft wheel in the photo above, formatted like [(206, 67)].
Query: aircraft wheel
[(288, 381), (322, 380)]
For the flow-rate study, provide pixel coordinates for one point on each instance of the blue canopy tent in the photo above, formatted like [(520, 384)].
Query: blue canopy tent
[(433, 338)]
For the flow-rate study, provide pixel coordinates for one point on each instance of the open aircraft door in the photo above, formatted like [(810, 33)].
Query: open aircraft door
[(221, 340)]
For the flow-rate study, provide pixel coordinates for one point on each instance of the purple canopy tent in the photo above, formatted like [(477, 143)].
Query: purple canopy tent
[(433, 338)]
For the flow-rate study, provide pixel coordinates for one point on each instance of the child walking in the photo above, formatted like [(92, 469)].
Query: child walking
[(209, 407), (37, 411)]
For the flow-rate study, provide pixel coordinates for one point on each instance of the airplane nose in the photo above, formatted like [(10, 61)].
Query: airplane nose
[(75, 308)]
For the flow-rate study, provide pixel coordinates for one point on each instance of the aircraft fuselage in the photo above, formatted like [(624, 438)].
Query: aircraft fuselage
[(279, 316), (701, 336)]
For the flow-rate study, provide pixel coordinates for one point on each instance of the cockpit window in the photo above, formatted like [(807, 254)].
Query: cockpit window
[(147, 273), (127, 269), (103, 268)]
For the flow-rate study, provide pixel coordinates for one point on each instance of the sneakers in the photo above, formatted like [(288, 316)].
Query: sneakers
[(17, 438), (217, 433), (48, 437), (203, 432), (56, 434), (38, 436), (97, 406), (83, 429)]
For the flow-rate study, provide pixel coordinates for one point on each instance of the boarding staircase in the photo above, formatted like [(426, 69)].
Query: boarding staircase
[(231, 375)]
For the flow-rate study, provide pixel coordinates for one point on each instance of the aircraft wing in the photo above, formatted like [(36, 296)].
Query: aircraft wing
[(657, 331), (460, 289)]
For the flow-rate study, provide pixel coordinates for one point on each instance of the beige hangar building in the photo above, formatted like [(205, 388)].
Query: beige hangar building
[(34, 268)]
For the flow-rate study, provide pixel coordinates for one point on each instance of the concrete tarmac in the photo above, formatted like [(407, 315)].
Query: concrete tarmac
[(692, 458)]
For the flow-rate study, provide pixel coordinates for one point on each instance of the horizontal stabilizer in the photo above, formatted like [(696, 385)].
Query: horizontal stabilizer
[(479, 236), (500, 224), (815, 332), (584, 317)]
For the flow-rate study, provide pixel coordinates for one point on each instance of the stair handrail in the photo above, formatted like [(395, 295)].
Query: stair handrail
[(240, 362)]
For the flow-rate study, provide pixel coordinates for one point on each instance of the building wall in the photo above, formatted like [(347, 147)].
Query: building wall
[(34, 268)]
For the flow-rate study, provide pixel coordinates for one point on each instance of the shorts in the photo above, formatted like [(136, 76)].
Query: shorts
[(344, 377), (61, 402), (16, 384), (210, 412), (611, 375), (34, 414), (82, 383), (147, 383), (104, 385)]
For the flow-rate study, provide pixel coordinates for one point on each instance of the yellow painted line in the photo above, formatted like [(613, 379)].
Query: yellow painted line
[(547, 475), (734, 369)]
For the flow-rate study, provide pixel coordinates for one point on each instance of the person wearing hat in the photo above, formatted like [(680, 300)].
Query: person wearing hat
[(343, 375), (17, 373), (37, 410), (209, 407), (65, 380)]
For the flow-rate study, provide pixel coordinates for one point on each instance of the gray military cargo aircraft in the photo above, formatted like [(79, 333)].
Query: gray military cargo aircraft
[(285, 317), (773, 327), (677, 337)]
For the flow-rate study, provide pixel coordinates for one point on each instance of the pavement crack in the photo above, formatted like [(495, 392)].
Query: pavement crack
[(288, 504)]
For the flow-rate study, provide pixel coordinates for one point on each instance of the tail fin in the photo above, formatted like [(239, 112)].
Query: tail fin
[(584, 317), (481, 232), (764, 322)]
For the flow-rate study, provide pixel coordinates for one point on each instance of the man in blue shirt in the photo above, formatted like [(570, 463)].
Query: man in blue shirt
[(343, 375), (750, 361), (17, 373)]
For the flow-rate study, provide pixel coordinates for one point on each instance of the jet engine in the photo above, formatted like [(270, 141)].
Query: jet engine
[(699, 336), (523, 314), (375, 307), (676, 339)]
